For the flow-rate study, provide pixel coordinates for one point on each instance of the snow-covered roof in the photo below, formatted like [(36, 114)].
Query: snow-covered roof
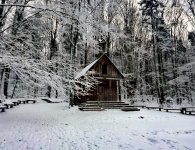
[(84, 71), (88, 67)]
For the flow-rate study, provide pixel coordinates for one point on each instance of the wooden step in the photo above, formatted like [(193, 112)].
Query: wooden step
[(114, 104), (91, 108), (116, 107), (106, 104), (89, 102), (109, 106), (84, 107), (96, 105)]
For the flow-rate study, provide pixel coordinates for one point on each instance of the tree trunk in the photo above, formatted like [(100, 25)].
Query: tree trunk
[(86, 53), (49, 91), (13, 92), (2, 84), (53, 50), (1, 13), (6, 82)]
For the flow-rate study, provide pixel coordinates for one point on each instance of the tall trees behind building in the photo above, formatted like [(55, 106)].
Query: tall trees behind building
[(44, 43)]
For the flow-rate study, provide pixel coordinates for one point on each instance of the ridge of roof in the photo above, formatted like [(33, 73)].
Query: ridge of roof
[(88, 67), (115, 67)]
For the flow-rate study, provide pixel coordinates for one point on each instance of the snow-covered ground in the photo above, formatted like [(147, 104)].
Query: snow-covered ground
[(56, 127)]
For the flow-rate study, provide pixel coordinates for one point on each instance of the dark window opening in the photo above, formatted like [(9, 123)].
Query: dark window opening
[(104, 69)]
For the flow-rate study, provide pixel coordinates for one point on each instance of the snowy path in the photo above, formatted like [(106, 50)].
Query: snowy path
[(53, 126)]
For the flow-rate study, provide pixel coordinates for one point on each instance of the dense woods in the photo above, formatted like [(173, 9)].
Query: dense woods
[(44, 43)]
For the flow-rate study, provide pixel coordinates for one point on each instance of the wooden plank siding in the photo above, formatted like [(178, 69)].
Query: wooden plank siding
[(109, 77), (111, 71), (107, 90)]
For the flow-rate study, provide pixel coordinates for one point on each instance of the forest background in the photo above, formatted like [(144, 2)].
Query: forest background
[(44, 43)]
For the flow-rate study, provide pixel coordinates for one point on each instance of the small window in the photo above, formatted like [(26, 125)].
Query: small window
[(104, 69)]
